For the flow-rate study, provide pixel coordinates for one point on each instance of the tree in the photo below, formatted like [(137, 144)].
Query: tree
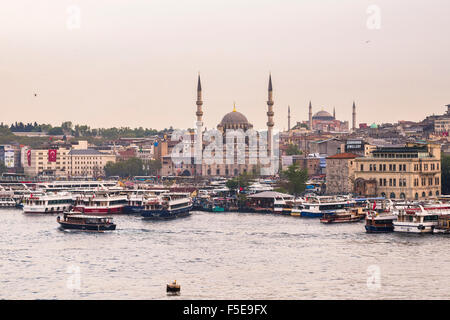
[(293, 149), (445, 171), (129, 168), (295, 179), (241, 181)]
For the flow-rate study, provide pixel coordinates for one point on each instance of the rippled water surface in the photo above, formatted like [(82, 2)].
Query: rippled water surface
[(218, 256)]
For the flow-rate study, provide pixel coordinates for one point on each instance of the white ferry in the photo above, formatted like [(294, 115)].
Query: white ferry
[(47, 203), (56, 186), (314, 207), (101, 202), (168, 206), (417, 220)]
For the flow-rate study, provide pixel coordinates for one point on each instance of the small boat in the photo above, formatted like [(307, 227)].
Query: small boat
[(7, 200), (340, 216), (443, 225), (101, 202), (84, 222), (173, 287)]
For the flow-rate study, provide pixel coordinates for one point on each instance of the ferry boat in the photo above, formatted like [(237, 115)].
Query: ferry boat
[(340, 216), (314, 207), (7, 199), (101, 202), (417, 220), (168, 206), (85, 222), (47, 203), (380, 222), (136, 201), (443, 225), (269, 202)]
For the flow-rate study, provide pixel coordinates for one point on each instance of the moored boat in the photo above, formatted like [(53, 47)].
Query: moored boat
[(340, 216), (47, 203), (380, 222), (85, 222), (443, 225), (101, 202), (416, 220), (168, 206)]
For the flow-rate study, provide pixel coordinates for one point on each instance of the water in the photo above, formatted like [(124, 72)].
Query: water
[(218, 256)]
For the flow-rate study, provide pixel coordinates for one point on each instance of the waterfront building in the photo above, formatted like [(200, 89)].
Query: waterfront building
[(409, 172), (340, 173)]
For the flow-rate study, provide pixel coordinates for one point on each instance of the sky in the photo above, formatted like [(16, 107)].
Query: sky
[(135, 63)]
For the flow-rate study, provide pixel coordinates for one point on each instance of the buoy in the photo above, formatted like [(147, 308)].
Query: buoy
[(173, 287)]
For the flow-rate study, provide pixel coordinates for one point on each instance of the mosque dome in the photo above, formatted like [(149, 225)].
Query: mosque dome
[(323, 115), (234, 120)]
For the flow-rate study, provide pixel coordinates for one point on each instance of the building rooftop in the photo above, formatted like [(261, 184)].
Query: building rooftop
[(344, 155), (87, 152)]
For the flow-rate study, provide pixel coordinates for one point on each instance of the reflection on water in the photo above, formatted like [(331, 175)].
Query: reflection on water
[(218, 256)]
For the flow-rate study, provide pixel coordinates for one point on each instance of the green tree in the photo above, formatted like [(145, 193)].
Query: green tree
[(445, 171), (129, 168), (293, 149), (294, 179), (241, 181)]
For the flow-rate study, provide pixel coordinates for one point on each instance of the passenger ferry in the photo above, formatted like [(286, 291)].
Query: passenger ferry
[(101, 202), (417, 220), (380, 222), (47, 203), (340, 216), (136, 200), (314, 207), (168, 206), (85, 222), (270, 202), (57, 186)]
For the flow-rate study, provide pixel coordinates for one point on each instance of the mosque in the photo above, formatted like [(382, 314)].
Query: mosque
[(233, 120)]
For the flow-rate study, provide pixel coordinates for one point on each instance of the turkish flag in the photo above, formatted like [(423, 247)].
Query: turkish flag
[(52, 155), (29, 157)]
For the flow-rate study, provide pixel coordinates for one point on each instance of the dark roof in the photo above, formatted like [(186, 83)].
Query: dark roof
[(87, 152), (400, 149)]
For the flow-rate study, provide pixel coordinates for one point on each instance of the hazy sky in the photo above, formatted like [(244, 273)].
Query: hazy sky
[(135, 63)]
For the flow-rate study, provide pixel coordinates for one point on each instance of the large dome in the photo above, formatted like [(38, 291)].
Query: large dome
[(234, 120), (234, 117), (323, 115)]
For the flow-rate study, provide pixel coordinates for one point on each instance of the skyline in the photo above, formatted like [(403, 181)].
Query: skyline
[(129, 61)]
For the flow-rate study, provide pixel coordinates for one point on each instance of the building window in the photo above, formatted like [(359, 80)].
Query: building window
[(402, 196), (423, 195), (392, 196), (362, 167)]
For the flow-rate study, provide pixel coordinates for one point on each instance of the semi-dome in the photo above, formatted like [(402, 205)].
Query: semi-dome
[(323, 115)]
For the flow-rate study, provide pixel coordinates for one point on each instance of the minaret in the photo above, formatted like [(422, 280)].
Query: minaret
[(310, 116), (199, 114), (270, 118), (289, 118), (354, 117), (334, 113)]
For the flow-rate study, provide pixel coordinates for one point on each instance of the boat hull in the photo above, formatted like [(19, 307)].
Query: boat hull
[(375, 229), (165, 214), (88, 227)]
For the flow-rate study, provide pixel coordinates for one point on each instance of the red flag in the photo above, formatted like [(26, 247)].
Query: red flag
[(52, 155), (29, 157), (374, 205)]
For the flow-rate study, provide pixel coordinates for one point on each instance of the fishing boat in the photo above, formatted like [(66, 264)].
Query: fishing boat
[(340, 216), (168, 206), (85, 222), (101, 202), (443, 225), (417, 220), (47, 203)]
